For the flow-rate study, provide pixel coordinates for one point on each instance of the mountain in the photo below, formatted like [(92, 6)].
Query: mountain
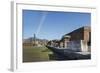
[(29, 40)]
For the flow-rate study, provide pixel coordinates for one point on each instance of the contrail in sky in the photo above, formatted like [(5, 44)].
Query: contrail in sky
[(41, 22)]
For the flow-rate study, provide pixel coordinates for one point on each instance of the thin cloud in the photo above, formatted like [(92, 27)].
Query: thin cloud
[(41, 22)]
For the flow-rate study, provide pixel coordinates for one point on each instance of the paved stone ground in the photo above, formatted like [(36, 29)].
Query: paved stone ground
[(66, 54)]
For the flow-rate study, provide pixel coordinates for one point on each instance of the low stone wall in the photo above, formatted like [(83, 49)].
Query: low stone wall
[(78, 46), (74, 45), (67, 54)]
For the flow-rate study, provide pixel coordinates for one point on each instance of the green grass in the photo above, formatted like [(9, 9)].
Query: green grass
[(35, 54)]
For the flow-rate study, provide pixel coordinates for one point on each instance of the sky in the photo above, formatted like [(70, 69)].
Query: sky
[(51, 24)]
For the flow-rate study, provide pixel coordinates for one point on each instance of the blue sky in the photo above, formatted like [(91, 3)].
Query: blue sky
[(52, 25)]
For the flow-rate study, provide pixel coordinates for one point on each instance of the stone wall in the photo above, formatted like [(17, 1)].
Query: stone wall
[(83, 33), (74, 45), (78, 46)]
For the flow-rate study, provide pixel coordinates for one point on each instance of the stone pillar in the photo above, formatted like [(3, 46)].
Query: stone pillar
[(66, 40), (65, 43), (84, 46), (61, 44), (34, 40)]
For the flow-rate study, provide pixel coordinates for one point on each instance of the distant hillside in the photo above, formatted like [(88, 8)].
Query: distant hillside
[(28, 40)]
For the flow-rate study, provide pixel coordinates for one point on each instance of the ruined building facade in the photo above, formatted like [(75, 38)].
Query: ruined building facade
[(77, 40)]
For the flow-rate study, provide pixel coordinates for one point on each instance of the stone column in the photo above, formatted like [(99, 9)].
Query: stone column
[(84, 46)]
